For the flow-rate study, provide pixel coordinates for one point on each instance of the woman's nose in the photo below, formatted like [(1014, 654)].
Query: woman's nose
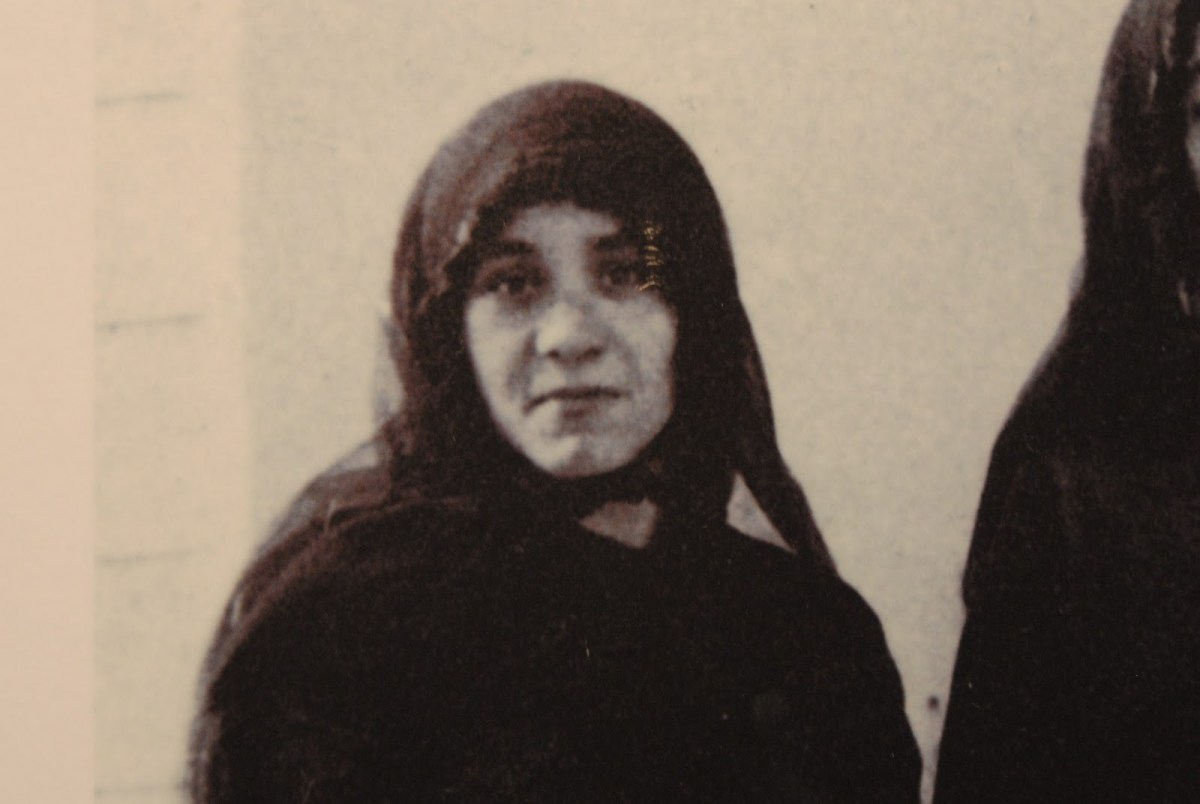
[(569, 331)]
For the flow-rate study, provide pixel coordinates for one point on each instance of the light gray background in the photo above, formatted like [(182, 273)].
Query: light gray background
[(900, 180)]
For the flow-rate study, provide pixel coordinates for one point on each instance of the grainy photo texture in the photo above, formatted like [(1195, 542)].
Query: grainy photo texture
[(833, 242), (529, 591)]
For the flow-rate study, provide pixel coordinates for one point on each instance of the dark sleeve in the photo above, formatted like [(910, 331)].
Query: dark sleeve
[(293, 691), (230, 735), (1013, 723), (843, 734), (871, 739), (265, 731), (269, 751), (279, 719)]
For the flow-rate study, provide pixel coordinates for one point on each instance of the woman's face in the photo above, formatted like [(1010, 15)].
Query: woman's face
[(572, 346)]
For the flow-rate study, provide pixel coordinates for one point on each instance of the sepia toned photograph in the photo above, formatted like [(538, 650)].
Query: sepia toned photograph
[(772, 401)]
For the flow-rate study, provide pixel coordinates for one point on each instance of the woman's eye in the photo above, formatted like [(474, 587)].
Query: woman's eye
[(624, 274), (512, 285), (511, 282)]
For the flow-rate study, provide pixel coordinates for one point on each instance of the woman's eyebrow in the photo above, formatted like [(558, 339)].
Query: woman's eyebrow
[(505, 247), (616, 241)]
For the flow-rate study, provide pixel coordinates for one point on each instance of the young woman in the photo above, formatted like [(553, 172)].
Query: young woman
[(532, 594), (1077, 675)]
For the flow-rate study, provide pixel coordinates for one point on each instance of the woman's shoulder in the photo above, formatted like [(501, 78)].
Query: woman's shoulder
[(1058, 502), (762, 556), (341, 590), (355, 558), (802, 589), (322, 610), (376, 539)]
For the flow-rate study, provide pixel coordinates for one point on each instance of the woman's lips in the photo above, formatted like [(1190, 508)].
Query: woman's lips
[(574, 395)]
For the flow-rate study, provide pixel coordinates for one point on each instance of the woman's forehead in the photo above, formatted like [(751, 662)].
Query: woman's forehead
[(539, 224), (559, 221)]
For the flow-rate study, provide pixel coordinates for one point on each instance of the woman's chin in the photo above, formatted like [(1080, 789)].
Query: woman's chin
[(575, 458)]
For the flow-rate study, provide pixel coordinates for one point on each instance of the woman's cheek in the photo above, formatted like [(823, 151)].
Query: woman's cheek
[(656, 333)]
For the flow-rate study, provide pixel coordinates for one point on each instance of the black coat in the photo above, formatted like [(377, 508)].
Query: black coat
[(427, 653), (1078, 671)]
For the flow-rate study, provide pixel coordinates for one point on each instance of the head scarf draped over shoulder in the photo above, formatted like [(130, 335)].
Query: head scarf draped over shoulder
[(1121, 383), (1129, 344), (578, 142)]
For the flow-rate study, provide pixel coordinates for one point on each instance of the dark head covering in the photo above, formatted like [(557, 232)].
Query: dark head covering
[(578, 142), (1127, 351), (1139, 196)]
